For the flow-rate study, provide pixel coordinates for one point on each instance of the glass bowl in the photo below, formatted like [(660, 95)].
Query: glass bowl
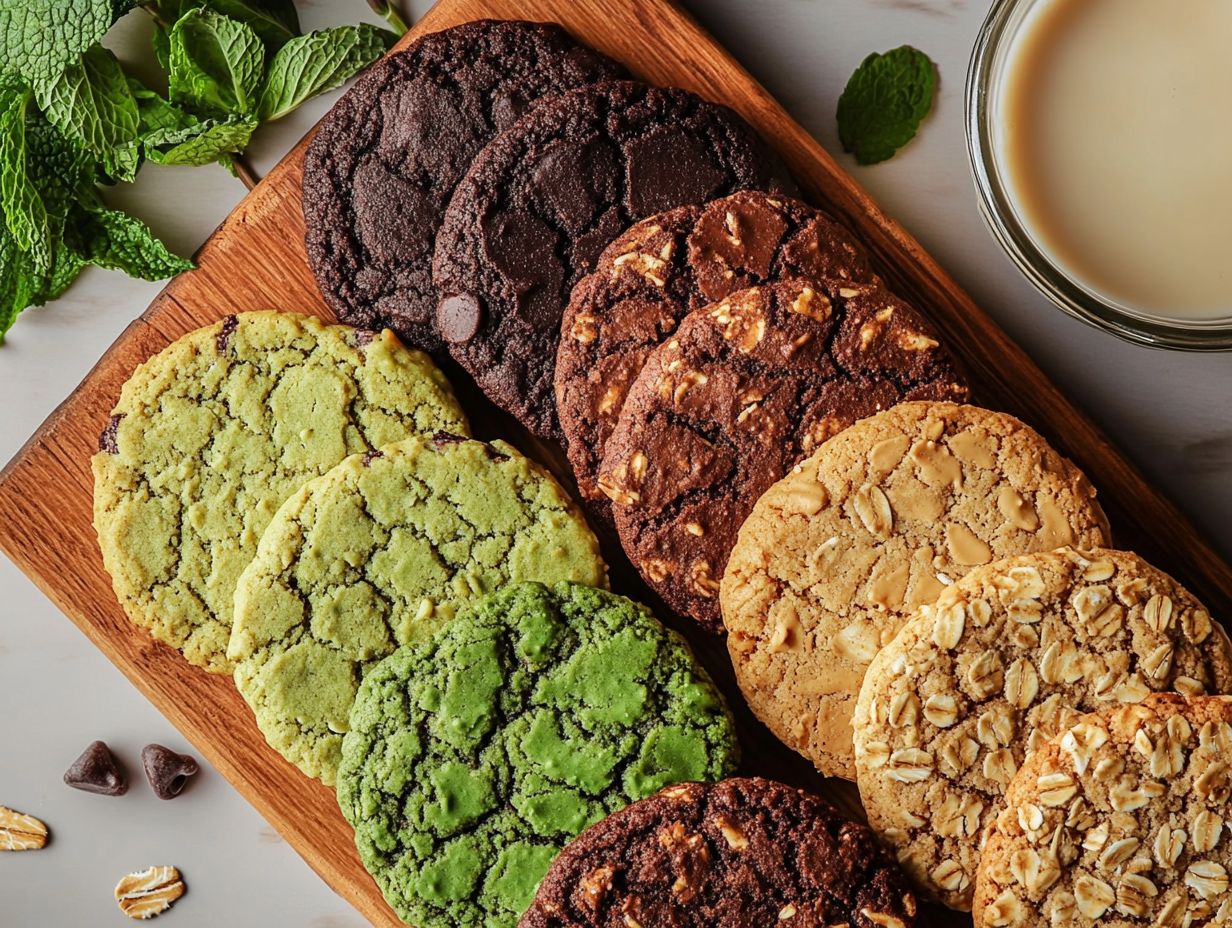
[(983, 95)]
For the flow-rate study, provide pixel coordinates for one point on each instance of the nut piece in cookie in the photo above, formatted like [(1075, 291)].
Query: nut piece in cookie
[(1007, 659), (97, 771), (837, 555), (1120, 821), (150, 892), (687, 856)]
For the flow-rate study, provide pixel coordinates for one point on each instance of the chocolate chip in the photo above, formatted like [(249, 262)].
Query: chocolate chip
[(362, 338), (441, 439), (107, 440), (229, 325), (370, 456), (458, 318), (166, 770), (97, 771), (668, 168)]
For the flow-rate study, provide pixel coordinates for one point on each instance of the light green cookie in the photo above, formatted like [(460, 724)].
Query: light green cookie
[(214, 432), (379, 550)]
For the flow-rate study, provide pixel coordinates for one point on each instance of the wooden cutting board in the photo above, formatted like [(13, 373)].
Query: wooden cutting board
[(256, 260)]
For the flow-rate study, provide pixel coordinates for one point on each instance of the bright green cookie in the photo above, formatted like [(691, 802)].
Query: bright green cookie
[(361, 560), (215, 431), (474, 756)]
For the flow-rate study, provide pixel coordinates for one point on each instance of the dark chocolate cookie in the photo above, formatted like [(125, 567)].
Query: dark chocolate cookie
[(739, 393), (384, 162), (733, 854), (656, 273), (544, 199)]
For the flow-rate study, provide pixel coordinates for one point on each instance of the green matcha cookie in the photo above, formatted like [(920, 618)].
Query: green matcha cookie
[(475, 755), (215, 431), (385, 545)]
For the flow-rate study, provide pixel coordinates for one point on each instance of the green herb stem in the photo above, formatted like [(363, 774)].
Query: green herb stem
[(390, 13)]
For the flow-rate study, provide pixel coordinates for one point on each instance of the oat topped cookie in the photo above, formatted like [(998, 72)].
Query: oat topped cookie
[(210, 436), (1120, 822), (836, 556), (1006, 659)]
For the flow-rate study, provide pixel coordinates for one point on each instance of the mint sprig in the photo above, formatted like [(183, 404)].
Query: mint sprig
[(884, 103), (71, 119)]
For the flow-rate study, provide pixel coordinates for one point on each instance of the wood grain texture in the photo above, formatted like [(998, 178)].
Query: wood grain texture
[(256, 260)]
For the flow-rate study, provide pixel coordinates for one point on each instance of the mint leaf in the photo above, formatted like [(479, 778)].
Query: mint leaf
[(216, 64), (319, 61), (155, 114), (275, 21), (205, 142), (884, 103), (92, 102), (122, 242), (41, 38), (25, 216), (20, 282)]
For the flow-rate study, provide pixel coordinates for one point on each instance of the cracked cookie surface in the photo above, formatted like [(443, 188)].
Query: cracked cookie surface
[(739, 393), (544, 199), (386, 158), (733, 854), (377, 552), (1008, 658), (209, 437), (473, 756), (836, 556), (1120, 822), (655, 274)]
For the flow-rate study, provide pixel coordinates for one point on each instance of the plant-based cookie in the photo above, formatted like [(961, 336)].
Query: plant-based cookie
[(836, 556), (733, 399), (659, 271), (385, 160), (380, 549), (1008, 658), (215, 431), (1121, 822), (544, 199), (735, 854), (473, 756)]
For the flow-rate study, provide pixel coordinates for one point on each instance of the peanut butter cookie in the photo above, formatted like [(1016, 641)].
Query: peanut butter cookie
[(836, 556), (1122, 822), (742, 852), (740, 392), (1006, 659)]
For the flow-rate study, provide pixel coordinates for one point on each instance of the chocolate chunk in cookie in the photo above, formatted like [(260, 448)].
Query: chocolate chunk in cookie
[(733, 854), (733, 399), (655, 274), (542, 201), (385, 160)]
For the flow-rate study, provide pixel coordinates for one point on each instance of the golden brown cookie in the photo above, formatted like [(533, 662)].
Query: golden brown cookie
[(1007, 659), (1121, 822), (839, 553)]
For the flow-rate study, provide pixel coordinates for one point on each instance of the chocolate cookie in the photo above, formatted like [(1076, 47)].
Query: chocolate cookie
[(737, 853), (380, 171), (730, 402), (656, 273), (542, 201)]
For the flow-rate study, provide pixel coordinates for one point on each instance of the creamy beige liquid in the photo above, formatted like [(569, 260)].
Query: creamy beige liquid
[(1116, 122)]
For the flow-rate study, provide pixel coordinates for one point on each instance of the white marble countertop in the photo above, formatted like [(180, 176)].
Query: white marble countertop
[(1172, 414)]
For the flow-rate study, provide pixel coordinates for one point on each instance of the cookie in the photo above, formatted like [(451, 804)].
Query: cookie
[(385, 160), (380, 549), (215, 431), (738, 853), (733, 399), (544, 199), (1006, 659), (1121, 821), (474, 756), (655, 274), (836, 556)]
